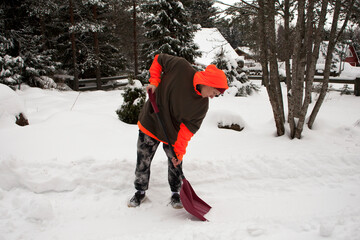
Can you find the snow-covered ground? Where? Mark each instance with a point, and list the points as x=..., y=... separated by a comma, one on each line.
x=69, y=174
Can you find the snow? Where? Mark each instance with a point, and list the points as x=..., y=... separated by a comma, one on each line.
x=11, y=105
x=345, y=70
x=348, y=71
x=219, y=4
x=69, y=174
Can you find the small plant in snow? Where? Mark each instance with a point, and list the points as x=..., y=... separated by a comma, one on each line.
x=317, y=88
x=345, y=90
x=134, y=99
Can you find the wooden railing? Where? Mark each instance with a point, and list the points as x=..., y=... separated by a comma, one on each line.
x=355, y=82
x=87, y=84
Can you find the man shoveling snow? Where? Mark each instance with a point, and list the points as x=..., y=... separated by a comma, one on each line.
x=182, y=97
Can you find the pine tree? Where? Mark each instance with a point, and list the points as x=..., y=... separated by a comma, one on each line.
x=129, y=30
x=239, y=26
x=201, y=12
x=26, y=52
x=39, y=50
x=107, y=53
x=11, y=67
x=168, y=31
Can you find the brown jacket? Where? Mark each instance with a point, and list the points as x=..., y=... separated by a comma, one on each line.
x=181, y=106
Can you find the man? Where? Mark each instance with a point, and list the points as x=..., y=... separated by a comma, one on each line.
x=182, y=97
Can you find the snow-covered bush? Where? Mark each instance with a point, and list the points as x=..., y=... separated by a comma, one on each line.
x=237, y=79
x=317, y=88
x=10, y=69
x=134, y=99
x=32, y=66
x=44, y=82
x=345, y=90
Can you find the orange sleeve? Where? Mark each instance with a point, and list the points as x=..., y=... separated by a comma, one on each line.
x=155, y=72
x=181, y=143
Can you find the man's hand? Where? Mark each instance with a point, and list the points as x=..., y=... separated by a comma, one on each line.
x=175, y=162
x=152, y=87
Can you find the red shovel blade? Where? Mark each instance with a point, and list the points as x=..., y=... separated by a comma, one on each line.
x=191, y=202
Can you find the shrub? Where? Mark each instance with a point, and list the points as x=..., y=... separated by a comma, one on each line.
x=235, y=73
x=345, y=90
x=134, y=99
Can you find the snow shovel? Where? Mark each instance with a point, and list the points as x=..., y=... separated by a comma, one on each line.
x=191, y=202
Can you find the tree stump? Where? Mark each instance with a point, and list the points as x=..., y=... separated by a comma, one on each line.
x=21, y=120
x=233, y=126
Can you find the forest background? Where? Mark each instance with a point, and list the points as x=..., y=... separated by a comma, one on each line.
x=99, y=38
x=88, y=38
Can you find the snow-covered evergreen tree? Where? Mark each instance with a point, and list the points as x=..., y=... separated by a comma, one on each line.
x=168, y=31
x=237, y=79
x=11, y=67
x=25, y=50
x=94, y=17
x=239, y=27
x=201, y=12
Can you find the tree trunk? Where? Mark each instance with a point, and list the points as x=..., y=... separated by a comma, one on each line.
x=136, y=70
x=332, y=42
x=307, y=39
x=288, y=67
x=43, y=32
x=300, y=65
x=97, y=51
x=274, y=68
x=312, y=40
x=73, y=47
x=293, y=94
x=268, y=55
x=310, y=69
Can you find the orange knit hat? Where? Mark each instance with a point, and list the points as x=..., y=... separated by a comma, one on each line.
x=213, y=77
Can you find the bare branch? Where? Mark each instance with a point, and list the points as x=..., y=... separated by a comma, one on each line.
x=348, y=11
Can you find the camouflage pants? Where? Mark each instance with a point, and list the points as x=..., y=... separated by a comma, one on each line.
x=146, y=148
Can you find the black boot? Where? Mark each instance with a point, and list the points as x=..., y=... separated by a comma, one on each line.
x=176, y=201
x=137, y=199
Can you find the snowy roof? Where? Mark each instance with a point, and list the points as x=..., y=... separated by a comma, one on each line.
x=211, y=42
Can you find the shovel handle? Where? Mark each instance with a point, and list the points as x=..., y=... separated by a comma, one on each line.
x=152, y=98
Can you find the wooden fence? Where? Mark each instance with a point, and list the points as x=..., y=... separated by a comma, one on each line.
x=355, y=82
x=112, y=82
x=87, y=84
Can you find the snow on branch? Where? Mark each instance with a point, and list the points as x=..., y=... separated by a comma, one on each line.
x=87, y=27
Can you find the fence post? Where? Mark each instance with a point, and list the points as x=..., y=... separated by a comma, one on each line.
x=357, y=87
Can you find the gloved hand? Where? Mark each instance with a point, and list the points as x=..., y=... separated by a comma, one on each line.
x=152, y=87
x=175, y=162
